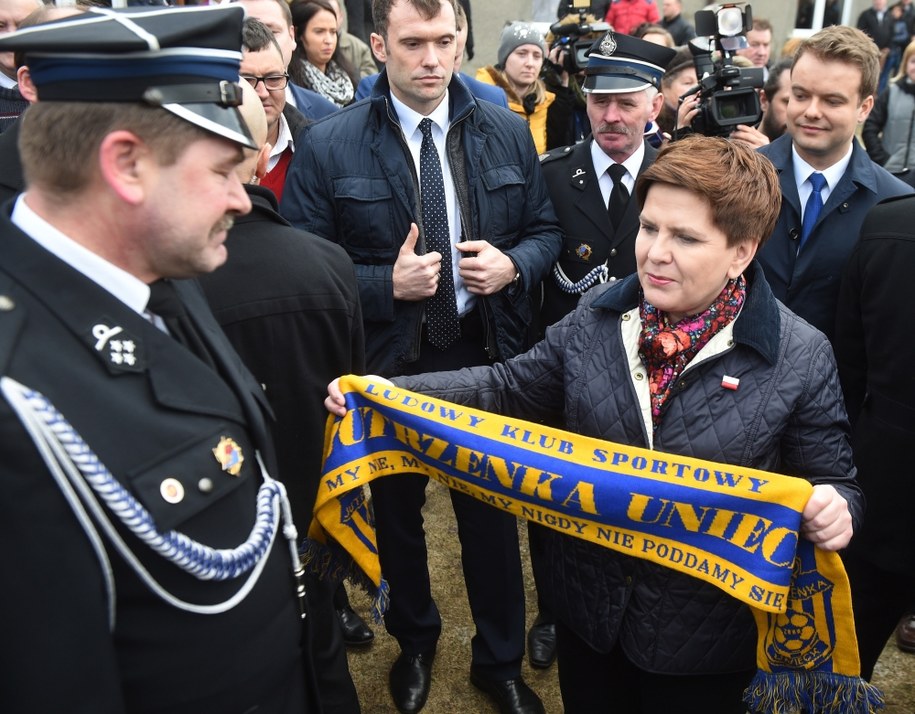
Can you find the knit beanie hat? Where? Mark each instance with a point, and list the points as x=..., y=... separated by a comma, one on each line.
x=515, y=35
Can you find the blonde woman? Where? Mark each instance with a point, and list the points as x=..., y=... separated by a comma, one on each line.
x=520, y=61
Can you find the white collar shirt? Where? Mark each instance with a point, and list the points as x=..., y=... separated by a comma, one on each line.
x=602, y=162
x=832, y=174
x=122, y=285
x=441, y=122
x=283, y=139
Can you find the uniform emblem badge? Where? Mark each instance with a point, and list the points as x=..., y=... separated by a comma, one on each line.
x=583, y=251
x=228, y=454
x=116, y=347
x=608, y=45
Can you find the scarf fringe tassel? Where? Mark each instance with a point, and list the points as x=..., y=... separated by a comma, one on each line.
x=330, y=561
x=813, y=692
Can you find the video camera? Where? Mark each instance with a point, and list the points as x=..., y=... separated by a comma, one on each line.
x=568, y=36
x=728, y=94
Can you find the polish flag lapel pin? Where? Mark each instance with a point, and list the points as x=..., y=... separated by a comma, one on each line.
x=730, y=382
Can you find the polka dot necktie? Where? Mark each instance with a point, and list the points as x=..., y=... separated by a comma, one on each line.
x=813, y=207
x=619, y=197
x=442, y=324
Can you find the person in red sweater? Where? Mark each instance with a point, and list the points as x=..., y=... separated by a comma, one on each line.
x=264, y=68
x=626, y=15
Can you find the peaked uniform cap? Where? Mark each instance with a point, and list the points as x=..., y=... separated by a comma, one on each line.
x=621, y=63
x=185, y=60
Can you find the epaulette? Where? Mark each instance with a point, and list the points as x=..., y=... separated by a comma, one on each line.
x=554, y=154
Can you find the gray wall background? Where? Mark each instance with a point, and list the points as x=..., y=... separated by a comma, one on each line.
x=490, y=16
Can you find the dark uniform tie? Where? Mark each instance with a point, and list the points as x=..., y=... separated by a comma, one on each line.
x=813, y=206
x=164, y=302
x=619, y=197
x=442, y=325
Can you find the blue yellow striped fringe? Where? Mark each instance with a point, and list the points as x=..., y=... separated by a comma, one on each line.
x=733, y=527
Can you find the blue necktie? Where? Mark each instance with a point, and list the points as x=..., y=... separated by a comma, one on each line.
x=442, y=325
x=813, y=207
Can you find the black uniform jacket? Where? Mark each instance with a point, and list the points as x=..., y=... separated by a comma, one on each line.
x=589, y=237
x=289, y=303
x=873, y=346
x=11, y=179
x=153, y=413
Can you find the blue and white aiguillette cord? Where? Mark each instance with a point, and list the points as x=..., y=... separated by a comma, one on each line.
x=87, y=483
x=596, y=275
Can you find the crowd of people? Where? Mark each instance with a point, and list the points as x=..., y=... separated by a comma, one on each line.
x=211, y=213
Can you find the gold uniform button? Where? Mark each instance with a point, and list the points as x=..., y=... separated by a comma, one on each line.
x=205, y=485
x=613, y=252
x=172, y=491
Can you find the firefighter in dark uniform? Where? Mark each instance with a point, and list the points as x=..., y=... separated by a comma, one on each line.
x=597, y=211
x=148, y=555
x=622, y=81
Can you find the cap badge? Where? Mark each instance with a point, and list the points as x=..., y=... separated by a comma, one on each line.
x=608, y=45
x=228, y=454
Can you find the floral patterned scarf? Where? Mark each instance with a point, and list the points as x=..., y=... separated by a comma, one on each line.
x=667, y=349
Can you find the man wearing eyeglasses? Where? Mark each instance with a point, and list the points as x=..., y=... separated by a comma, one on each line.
x=263, y=68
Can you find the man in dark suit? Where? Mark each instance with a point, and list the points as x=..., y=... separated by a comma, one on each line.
x=673, y=21
x=11, y=179
x=150, y=566
x=873, y=345
x=834, y=81
x=12, y=103
x=438, y=199
x=877, y=23
x=621, y=84
x=280, y=293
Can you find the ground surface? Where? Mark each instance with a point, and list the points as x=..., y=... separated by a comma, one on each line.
x=452, y=692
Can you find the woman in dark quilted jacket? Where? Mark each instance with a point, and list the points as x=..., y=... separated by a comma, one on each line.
x=692, y=355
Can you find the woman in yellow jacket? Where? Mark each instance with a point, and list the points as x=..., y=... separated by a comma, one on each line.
x=521, y=56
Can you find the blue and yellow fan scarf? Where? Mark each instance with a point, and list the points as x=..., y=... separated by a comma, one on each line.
x=733, y=527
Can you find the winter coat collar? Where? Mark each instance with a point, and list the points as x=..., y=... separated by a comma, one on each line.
x=757, y=325
x=461, y=100
x=860, y=169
